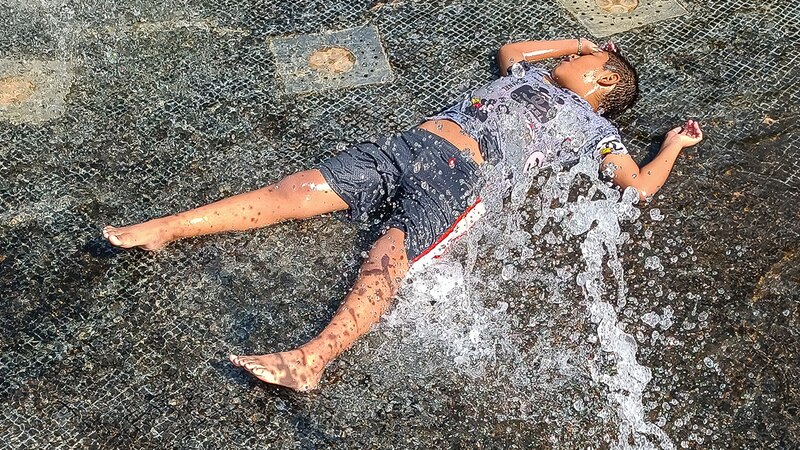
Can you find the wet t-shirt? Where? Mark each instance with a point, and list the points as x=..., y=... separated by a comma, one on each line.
x=525, y=118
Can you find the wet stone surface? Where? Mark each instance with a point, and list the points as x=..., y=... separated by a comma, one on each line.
x=33, y=91
x=333, y=60
x=617, y=6
x=14, y=90
x=168, y=105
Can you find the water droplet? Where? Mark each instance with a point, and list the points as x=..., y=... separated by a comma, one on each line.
x=651, y=319
x=653, y=263
x=517, y=71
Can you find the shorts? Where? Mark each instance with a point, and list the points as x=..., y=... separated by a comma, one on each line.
x=430, y=185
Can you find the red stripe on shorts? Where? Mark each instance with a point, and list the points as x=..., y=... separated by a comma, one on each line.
x=446, y=233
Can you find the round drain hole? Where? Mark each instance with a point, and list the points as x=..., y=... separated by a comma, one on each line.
x=14, y=90
x=334, y=60
x=617, y=6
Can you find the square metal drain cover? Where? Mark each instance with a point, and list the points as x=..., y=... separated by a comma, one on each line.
x=607, y=17
x=333, y=60
x=33, y=91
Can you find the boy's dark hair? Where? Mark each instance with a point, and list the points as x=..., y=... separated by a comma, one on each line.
x=626, y=92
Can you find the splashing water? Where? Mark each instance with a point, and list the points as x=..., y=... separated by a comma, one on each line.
x=529, y=233
x=628, y=382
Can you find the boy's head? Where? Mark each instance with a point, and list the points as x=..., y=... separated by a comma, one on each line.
x=606, y=75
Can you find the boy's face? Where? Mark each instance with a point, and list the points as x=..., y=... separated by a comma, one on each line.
x=583, y=73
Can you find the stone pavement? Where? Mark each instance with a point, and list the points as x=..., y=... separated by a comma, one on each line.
x=113, y=112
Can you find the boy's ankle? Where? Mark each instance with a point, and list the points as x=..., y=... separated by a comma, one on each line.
x=170, y=227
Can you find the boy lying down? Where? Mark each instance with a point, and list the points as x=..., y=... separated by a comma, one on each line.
x=428, y=175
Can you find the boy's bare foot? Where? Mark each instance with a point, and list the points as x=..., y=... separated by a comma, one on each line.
x=293, y=369
x=150, y=235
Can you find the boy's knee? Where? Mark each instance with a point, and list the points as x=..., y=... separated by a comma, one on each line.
x=388, y=255
x=295, y=188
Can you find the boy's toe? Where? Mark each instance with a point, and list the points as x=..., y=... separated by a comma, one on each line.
x=114, y=239
x=235, y=360
x=261, y=372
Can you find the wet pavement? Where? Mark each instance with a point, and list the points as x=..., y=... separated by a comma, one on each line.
x=152, y=107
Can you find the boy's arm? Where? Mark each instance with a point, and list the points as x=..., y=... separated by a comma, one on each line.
x=538, y=50
x=651, y=177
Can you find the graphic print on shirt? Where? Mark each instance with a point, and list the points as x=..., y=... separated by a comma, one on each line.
x=611, y=145
x=556, y=124
x=537, y=101
x=570, y=128
x=481, y=108
x=534, y=161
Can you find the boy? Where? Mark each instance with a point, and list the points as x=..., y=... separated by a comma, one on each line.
x=429, y=175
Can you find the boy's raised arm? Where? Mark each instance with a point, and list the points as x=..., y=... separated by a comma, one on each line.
x=538, y=50
x=652, y=176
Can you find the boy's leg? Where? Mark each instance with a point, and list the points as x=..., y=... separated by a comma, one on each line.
x=298, y=196
x=380, y=275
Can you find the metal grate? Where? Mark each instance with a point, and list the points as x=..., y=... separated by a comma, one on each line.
x=154, y=107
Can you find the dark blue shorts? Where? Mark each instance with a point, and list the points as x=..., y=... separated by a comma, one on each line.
x=428, y=183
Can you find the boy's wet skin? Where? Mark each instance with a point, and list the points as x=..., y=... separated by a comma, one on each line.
x=293, y=369
x=298, y=196
x=587, y=73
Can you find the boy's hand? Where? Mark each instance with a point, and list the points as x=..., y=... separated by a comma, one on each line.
x=686, y=136
x=609, y=46
x=588, y=47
